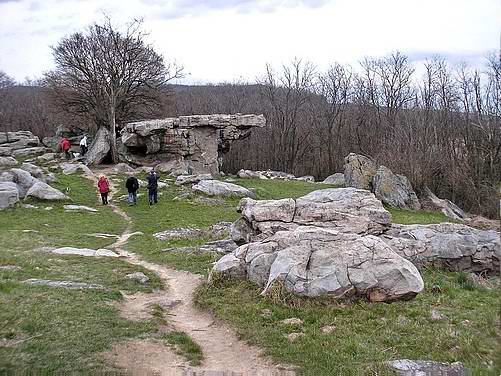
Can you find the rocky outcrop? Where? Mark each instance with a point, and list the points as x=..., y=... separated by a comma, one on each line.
x=359, y=171
x=39, y=173
x=273, y=175
x=429, y=201
x=219, y=188
x=335, y=179
x=21, y=142
x=43, y=191
x=7, y=162
x=314, y=261
x=99, y=148
x=195, y=142
x=192, y=179
x=346, y=209
x=394, y=190
x=455, y=247
x=71, y=168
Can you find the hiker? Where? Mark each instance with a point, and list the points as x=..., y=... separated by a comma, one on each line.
x=152, y=187
x=104, y=189
x=83, y=145
x=65, y=146
x=132, y=185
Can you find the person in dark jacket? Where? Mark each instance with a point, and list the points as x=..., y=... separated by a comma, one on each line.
x=152, y=187
x=132, y=185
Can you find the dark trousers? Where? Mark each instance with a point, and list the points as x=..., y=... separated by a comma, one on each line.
x=104, y=197
x=152, y=196
x=67, y=154
x=84, y=150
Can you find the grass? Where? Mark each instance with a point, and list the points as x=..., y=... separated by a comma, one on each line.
x=185, y=346
x=409, y=217
x=366, y=335
x=47, y=330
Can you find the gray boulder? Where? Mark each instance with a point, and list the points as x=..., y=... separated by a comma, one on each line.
x=179, y=233
x=23, y=179
x=219, y=246
x=138, y=276
x=43, y=191
x=192, y=179
x=335, y=179
x=249, y=174
x=99, y=148
x=359, y=171
x=29, y=151
x=47, y=157
x=83, y=252
x=455, y=247
x=313, y=261
x=219, y=188
x=7, y=162
x=406, y=367
x=429, y=201
x=9, y=195
x=71, y=168
x=38, y=172
x=394, y=190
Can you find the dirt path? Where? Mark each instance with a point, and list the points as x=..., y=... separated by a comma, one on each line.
x=224, y=354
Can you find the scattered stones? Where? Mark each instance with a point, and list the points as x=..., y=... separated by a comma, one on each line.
x=313, y=261
x=219, y=188
x=192, y=179
x=294, y=336
x=455, y=247
x=359, y=171
x=63, y=284
x=437, y=316
x=394, y=190
x=335, y=179
x=8, y=162
x=138, y=276
x=327, y=329
x=406, y=367
x=84, y=252
x=79, y=207
x=10, y=267
x=44, y=191
x=292, y=321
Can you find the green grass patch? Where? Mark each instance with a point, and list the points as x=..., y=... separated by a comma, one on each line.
x=410, y=217
x=365, y=335
x=185, y=346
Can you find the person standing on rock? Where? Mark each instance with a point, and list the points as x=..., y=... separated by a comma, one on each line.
x=132, y=185
x=152, y=187
x=65, y=146
x=83, y=145
x=104, y=189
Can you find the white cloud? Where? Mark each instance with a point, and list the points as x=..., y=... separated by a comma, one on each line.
x=223, y=40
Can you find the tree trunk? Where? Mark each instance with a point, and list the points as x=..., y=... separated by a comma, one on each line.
x=113, y=133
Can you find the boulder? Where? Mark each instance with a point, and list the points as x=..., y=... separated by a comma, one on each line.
x=335, y=179
x=29, y=151
x=192, y=179
x=123, y=168
x=70, y=168
x=7, y=162
x=38, y=173
x=26, y=137
x=347, y=209
x=47, y=157
x=432, y=203
x=219, y=188
x=180, y=233
x=83, y=252
x=249, y=174
x=23, y=179
x=9, y=195
x=43, y=191
x=307, y=178
x=313, y=261
x=219, y=246
x=455, y=247
x=100, y=147
x=138, y=276
x=406, y=367
x=394, y=190
x=359, y=171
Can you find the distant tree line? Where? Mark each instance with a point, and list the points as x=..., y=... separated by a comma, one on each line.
x=441, y=127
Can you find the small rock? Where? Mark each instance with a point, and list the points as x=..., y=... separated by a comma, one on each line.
x=328, y=329
x=408, y=367
x=79, y=207
x=48, y=208
x=294, y=336
x=64, y=284
x=138, y=276
x=10, y=267
x=219, y=246
x=292, y=321
x=266, y=313
x=437, y=316
x=29, y=206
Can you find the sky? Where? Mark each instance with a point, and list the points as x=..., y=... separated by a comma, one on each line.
x=233, y=40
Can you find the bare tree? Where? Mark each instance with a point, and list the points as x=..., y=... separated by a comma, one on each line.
x=114, y=76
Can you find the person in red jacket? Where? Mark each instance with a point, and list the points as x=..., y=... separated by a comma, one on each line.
x=65, y=146
x=104, y=188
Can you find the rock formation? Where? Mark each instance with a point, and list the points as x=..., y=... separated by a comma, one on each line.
x=359, y=171
x=20, y=143
x=394, y=190
x=191, y=144
x=335, y=179
x=273, y=175
x=429, y=201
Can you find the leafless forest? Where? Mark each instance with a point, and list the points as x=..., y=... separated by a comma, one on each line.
x=440, y=125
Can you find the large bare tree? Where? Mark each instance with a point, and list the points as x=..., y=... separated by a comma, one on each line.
x=109, y=75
